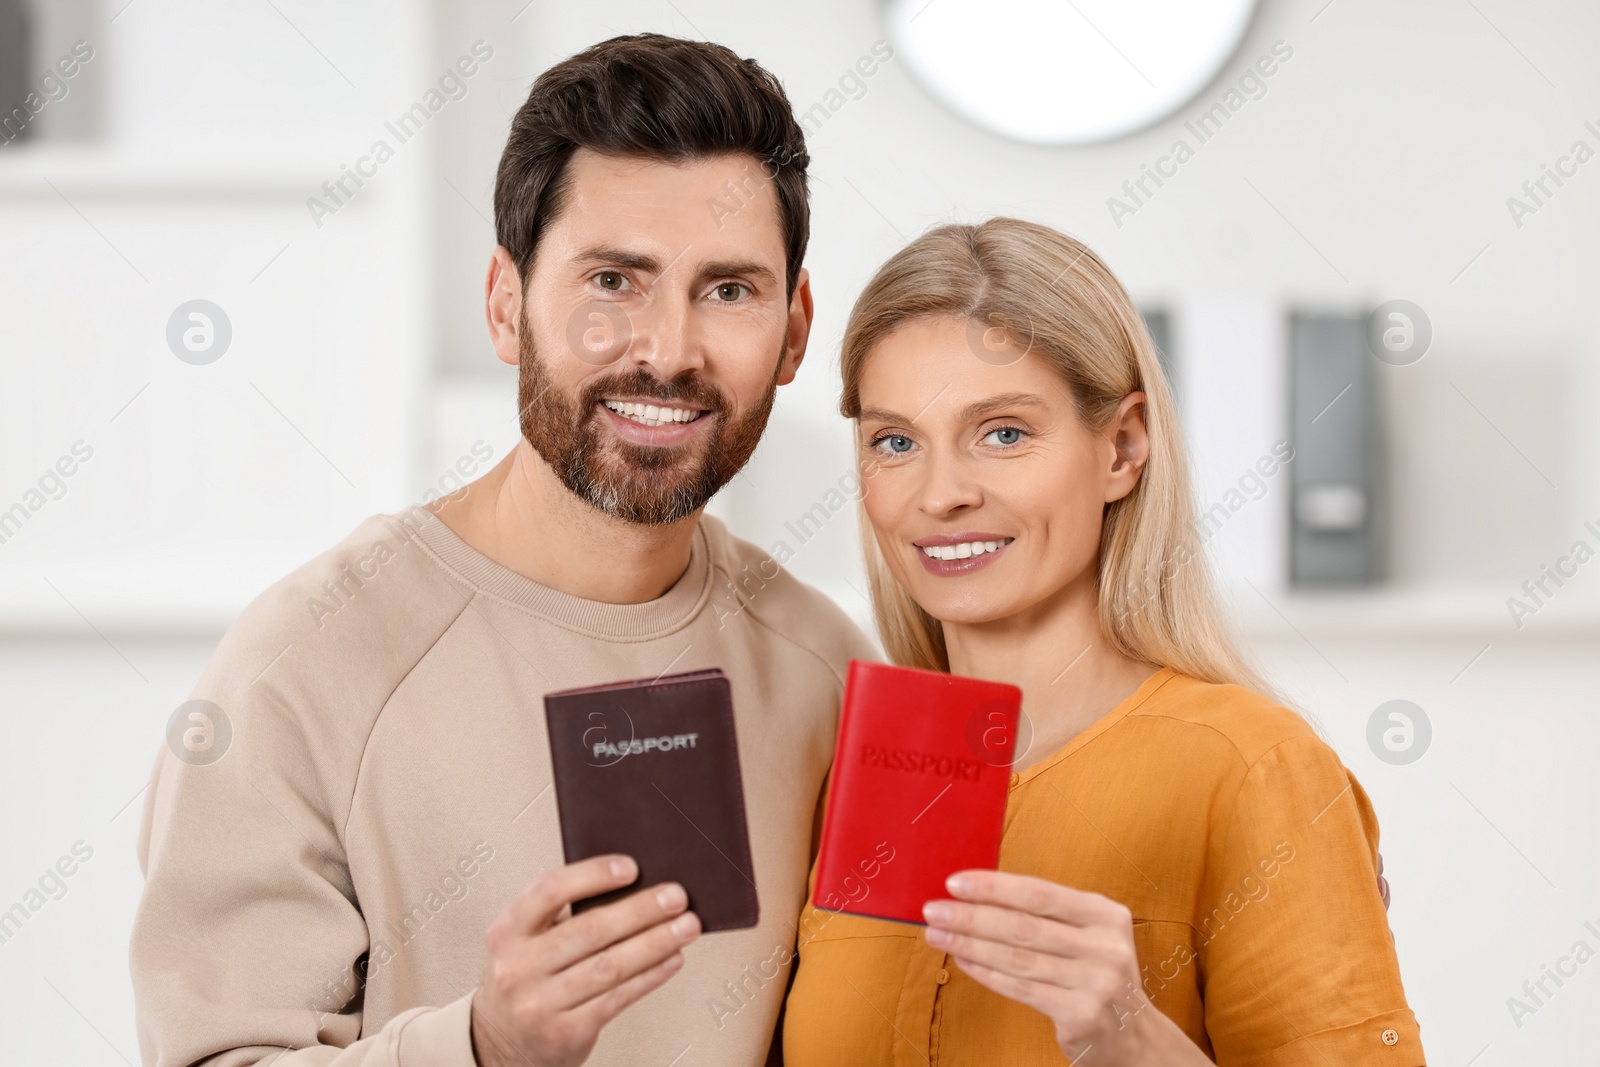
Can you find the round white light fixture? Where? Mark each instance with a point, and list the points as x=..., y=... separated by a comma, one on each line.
x=1062, y=72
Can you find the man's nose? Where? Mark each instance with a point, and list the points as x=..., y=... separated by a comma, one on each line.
x=666, y=337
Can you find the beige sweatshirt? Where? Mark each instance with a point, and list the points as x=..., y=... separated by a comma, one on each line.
x=385, y=791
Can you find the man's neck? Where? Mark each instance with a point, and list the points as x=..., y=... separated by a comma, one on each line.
x=522, y=517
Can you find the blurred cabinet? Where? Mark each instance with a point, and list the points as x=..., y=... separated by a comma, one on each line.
x=1338, y=513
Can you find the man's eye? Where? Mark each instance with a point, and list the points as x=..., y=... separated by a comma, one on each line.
x=728, y=292
x=893, y=443
x=1005, y=435
x=612, y=280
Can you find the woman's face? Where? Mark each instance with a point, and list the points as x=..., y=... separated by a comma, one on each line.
x=985, y=492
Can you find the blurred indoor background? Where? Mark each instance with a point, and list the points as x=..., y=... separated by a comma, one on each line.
x=1422, y=152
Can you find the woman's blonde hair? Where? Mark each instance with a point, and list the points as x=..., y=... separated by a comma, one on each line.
x=1049, y=292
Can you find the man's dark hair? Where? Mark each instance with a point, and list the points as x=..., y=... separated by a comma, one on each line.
x=655, y=97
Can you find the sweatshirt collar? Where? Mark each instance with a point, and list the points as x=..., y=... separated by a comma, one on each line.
x=673, y=610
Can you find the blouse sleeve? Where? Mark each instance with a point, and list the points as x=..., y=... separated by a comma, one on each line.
x=1297, y=963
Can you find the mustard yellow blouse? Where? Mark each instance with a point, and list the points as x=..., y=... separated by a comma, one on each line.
x=1247, y=854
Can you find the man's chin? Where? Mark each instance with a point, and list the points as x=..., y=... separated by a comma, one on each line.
x=625, y=460
x=647, y=492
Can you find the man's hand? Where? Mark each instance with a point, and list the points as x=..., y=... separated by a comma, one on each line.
x=552, y=980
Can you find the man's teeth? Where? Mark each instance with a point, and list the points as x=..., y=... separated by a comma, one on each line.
x=652, y=414
x=965, y=549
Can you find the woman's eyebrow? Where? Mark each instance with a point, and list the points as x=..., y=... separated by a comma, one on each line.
x=987, y=406
x=975, y=410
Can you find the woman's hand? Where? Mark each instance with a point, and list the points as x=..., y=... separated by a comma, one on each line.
x=1062, y=952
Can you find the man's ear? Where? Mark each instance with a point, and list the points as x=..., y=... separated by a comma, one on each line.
x=1130, y=445
x=502, y=305
x=800, y=312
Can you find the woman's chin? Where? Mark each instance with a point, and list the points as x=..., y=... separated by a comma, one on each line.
x=968, y=609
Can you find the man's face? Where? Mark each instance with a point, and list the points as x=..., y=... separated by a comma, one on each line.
x=655, y=331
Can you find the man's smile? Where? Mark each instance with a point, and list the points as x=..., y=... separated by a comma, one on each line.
x=647, y=413
x=656, y=423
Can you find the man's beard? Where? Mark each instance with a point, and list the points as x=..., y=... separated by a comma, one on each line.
x=645, y=484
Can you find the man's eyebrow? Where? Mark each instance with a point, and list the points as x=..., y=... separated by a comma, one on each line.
x=619, y=257
x=739, y=268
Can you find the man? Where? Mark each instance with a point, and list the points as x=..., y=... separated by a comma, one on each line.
x=371, y=872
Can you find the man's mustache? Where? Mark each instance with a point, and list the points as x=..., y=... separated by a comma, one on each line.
x=686, y=390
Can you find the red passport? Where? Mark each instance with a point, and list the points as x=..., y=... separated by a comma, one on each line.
x=918, y=788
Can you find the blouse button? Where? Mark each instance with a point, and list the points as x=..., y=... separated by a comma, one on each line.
x=1391, y=1038
x=943, y=976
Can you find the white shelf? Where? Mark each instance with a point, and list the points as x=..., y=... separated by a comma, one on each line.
x=1416, y=613
x=100, y=173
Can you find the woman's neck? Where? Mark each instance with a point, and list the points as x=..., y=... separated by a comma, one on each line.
x=1070, y=676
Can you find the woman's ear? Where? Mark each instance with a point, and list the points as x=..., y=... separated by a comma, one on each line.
x=1130, y=443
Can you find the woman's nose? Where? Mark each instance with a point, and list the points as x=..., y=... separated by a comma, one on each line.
x=949, y=486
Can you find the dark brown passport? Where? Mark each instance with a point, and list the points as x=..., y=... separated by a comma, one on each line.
x=650, y=768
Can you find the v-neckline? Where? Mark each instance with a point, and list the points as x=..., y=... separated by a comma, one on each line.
x=1144, y=692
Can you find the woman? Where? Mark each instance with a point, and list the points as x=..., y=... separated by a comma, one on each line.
x=1187, y=873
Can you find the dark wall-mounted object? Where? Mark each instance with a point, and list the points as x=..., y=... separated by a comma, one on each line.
x=1339, y=509
x=53, y=71
x=1159, y=322
x=16, y=53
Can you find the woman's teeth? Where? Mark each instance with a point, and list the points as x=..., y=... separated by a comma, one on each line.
x=966, y=549
x=652, y=414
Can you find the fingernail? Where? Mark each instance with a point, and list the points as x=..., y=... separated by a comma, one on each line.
x=936, y=911
x=939, y=938
x=673, y=962
x=622, y=867
x=958, y=884
x=685, y=924
x=670, y=896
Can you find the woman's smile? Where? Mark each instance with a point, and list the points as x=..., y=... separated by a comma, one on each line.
x=949, y=555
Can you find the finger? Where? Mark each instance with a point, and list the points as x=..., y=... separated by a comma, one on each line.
x=599, y=928
x=624, y=961
x=1076, y=1017
x=1035, y=895
x=602, y=1009
x=542, y=899
x=1022, y=929
x=1035, y=995
x=1034, y=965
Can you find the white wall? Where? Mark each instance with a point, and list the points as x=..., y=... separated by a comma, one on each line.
x=206, y=482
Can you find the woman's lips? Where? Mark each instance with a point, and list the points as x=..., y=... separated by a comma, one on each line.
x=967, y=559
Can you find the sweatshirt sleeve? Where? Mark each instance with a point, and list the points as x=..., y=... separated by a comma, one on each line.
x=248, y=939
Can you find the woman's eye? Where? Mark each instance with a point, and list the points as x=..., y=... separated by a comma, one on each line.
x=1005, y=435
x=611, y=280
x=893, y=443
x=728, y=292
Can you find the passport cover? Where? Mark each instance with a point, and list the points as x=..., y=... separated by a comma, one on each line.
x=650, y=768
x=918, y=788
